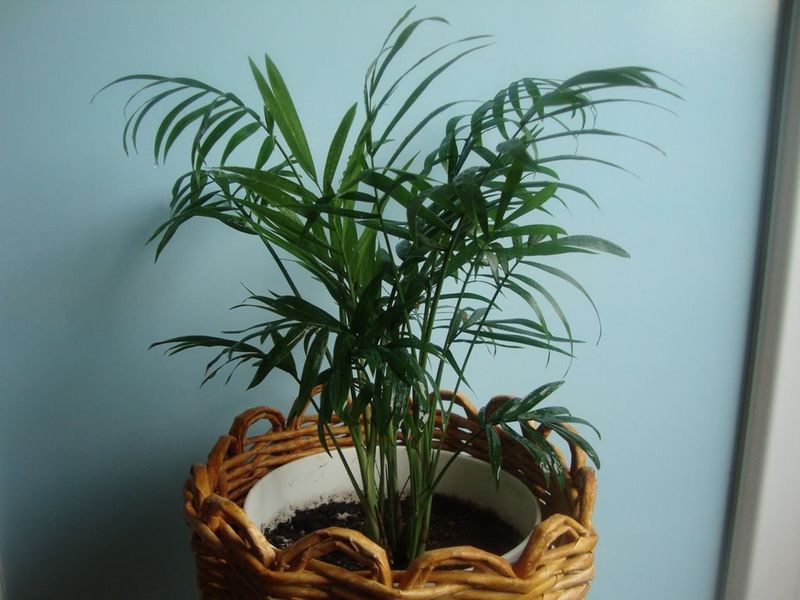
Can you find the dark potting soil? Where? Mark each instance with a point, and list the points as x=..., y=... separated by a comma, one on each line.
x=454, y=522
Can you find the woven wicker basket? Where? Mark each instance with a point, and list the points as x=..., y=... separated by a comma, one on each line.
x=235, y=561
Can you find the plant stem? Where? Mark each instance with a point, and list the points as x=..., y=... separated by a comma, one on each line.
x=366, y=464
x=281, y=266
x=492, y=303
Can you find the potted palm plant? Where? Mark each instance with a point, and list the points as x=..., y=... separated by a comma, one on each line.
x=420, y=252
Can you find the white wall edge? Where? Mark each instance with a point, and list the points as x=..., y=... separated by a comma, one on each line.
x=764, y=559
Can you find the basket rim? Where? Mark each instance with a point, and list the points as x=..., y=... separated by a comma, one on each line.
x=559, y=554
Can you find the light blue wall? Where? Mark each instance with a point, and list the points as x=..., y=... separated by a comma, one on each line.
x=97, y=432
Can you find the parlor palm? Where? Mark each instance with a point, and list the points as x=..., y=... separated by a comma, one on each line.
x=418, y=249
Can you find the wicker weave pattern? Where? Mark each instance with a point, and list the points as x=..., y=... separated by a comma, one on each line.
x=235, y=561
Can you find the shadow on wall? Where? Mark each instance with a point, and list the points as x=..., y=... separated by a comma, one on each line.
x=98, y=432
x=2, y=581
x=125, y=542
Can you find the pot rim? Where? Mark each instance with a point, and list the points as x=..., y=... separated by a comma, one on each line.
x=511, y=489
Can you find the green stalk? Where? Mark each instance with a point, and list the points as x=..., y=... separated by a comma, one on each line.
x=419, y=451
x=373, y=521
x=455, y=455
x=281, y=266
x=471, y=346
x=368, y=499
x=396, y=288
x=359, y=492
x=424, y=524
x=413, y=525
x=440, y=371
x=453, y=325
x=446, y=415
x=391, y=511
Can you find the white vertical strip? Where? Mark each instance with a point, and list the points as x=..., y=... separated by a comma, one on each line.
x=775, y=561
x=765, y=557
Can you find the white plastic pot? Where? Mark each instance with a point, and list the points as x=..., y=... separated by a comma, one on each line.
x=314, y=480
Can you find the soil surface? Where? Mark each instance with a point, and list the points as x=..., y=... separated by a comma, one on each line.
x=454, y=522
